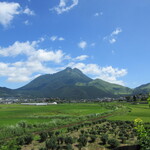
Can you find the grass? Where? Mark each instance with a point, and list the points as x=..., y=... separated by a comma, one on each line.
x=12, y=114
x=134, y=111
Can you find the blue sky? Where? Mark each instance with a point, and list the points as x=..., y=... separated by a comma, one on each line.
x=106, y=39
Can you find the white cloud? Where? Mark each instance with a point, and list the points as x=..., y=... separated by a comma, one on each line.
x=61, y=39
x=26, y=22
x=35, y=63
x=82, y=44
x=7, y=12
x=64, y=7
x=98, y=14
x=56, y=38
x=28, y=12
x=112, y=38
x=81, y=58
x=108, y=74
x=53, y=38
x=116, y=32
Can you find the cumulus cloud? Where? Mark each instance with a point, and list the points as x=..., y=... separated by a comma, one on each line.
x=64, y=6
x=56, y=38
x=108, y=73
x=82, y=44
x=81, y=57
x=35, y=62
x=112, y=38
x=8, y=11
x=28, y=12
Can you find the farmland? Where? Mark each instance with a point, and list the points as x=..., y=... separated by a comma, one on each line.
x=70, y=119
x=134, y=111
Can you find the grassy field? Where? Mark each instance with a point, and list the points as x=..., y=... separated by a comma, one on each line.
x=12, y=114
x=19, y=120
x=134, y=111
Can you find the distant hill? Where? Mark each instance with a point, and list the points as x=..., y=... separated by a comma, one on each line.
x=5, y=92
x=115, y=89
x=143, y=89
x=73, y=84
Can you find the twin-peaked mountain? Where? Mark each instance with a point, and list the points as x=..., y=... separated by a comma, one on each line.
x=71, y=84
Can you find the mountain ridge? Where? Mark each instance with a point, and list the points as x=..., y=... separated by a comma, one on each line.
x=72, y=84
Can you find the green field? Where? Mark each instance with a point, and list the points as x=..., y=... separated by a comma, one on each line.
x=132, y=112
x=17, y=120
x=12, y=114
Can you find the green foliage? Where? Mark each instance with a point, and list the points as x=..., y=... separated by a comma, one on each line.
x=104, y=138
x=43, y=136
x=11, y=145
x=69, y=147
x=93, y=138
x=28, y=138
x=51, y=143
x=143, y=135
x=148, y=100
x=82, y=140
x=69, y=140
x=113, y=143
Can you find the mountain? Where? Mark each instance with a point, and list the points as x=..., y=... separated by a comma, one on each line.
x=71, y=84
x=115, y=89
x=5, y=92
x=143, y=89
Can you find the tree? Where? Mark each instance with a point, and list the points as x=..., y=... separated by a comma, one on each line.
x=143, y=134
x=148, y=100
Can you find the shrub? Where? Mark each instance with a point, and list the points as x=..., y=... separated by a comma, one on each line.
x=51, y=143
x=50, y=133
x=43, y=136
x=69, y=140
x=69, y=147
x=28, y=139
x=82, y=140
x=113, y=143
x=20, y=140
x=104, y=138
x=93, y=138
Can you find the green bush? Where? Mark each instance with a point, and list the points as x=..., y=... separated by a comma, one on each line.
x=69, y=147
x=82, y=140
x=104, y=139
x=43, y=136
x=69, y=140
x=113, y=143
x=51, y=143
x=28, y=139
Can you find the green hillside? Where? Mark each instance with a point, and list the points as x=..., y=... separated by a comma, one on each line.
x=111, y=88
x=71, y=84
x=143, y=89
